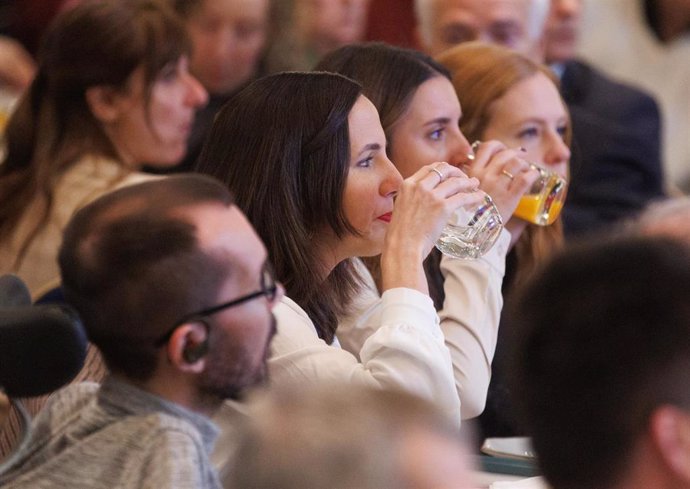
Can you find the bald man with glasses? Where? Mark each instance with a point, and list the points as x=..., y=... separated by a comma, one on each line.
x=174, y=288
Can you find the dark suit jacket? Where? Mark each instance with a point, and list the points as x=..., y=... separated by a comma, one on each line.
x=616, y=162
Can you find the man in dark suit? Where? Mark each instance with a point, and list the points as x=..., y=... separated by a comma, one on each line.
x=616, y=163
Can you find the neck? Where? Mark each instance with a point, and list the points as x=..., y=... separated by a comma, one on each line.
x=327, y=253
x=179, y=391
x=647, y=468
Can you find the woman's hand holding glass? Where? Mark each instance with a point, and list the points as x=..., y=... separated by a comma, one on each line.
x=503, y=173
x=441, y=205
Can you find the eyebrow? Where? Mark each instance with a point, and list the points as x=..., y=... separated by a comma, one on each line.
x=510, y=25
x=440, y=120
x=370, y=147
x=538, y=120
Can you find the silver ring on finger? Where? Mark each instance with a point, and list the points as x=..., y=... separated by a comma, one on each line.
x=437, y=172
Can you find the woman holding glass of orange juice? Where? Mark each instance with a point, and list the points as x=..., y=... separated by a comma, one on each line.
x=508, y=97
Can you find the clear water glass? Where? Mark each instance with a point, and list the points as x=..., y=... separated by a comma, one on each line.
x=471, y=231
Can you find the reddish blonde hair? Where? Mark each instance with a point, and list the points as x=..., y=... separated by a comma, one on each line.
x=482, y=73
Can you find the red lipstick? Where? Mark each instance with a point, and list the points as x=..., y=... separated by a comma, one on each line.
x=385, y=217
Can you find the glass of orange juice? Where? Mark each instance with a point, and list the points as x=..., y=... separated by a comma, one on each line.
x=7, y=102
x=543, y=202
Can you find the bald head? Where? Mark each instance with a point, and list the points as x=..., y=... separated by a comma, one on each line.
x=517, y=24
x=132, y=263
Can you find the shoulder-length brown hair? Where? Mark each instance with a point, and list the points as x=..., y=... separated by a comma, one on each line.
x=282, y=145
x=482, y=73
x=94, y=43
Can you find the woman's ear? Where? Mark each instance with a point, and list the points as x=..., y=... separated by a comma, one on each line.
x=188, y=346
x=670, y=430
x=103, y=101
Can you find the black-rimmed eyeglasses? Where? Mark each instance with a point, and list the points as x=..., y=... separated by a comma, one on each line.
x=268, y=289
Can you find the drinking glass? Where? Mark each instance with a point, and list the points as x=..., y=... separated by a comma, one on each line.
x=471, y=231
x=8, y=100
x=543, y=202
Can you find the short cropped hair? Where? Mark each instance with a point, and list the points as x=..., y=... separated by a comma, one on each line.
x=132, y=267
x=331, y=436
x=602, y=339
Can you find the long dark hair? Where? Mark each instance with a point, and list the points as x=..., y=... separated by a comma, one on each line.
x=95, y=43
x=282, y=146
x=390, y=77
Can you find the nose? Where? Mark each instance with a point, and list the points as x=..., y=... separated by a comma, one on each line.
x=197, y=96
x=390, y=180
x=557, y=152
x=567, y=8
x=458, y=147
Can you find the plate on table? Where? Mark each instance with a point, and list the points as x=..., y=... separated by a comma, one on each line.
x=517, y=447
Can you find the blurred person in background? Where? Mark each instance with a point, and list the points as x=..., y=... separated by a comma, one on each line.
x=94, y=114
x=601, y=364
x=347, y=436
x=622, y=116
x=228, y=42
x=305, y=30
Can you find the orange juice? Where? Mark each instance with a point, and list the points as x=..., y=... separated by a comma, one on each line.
x=3, y=120
x=530, y=208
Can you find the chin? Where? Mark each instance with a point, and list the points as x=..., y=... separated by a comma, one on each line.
x=170, y=158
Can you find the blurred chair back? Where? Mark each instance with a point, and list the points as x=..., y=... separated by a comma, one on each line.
x=42, y=347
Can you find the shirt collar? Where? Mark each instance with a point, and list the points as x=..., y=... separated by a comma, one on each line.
x=125, y=397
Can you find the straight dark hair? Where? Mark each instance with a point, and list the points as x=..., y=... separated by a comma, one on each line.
x=132, y=267
x=282, y=146
x=94, y=43
x=389, y=75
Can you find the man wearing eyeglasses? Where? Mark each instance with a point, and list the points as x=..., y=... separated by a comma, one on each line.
x=173, y=286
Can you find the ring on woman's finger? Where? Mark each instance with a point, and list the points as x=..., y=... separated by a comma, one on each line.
x=437, y=172
x=508, y=174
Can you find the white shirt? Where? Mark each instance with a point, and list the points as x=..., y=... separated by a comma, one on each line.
x=397, y=340
x=405, y=350
x=469, y=321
